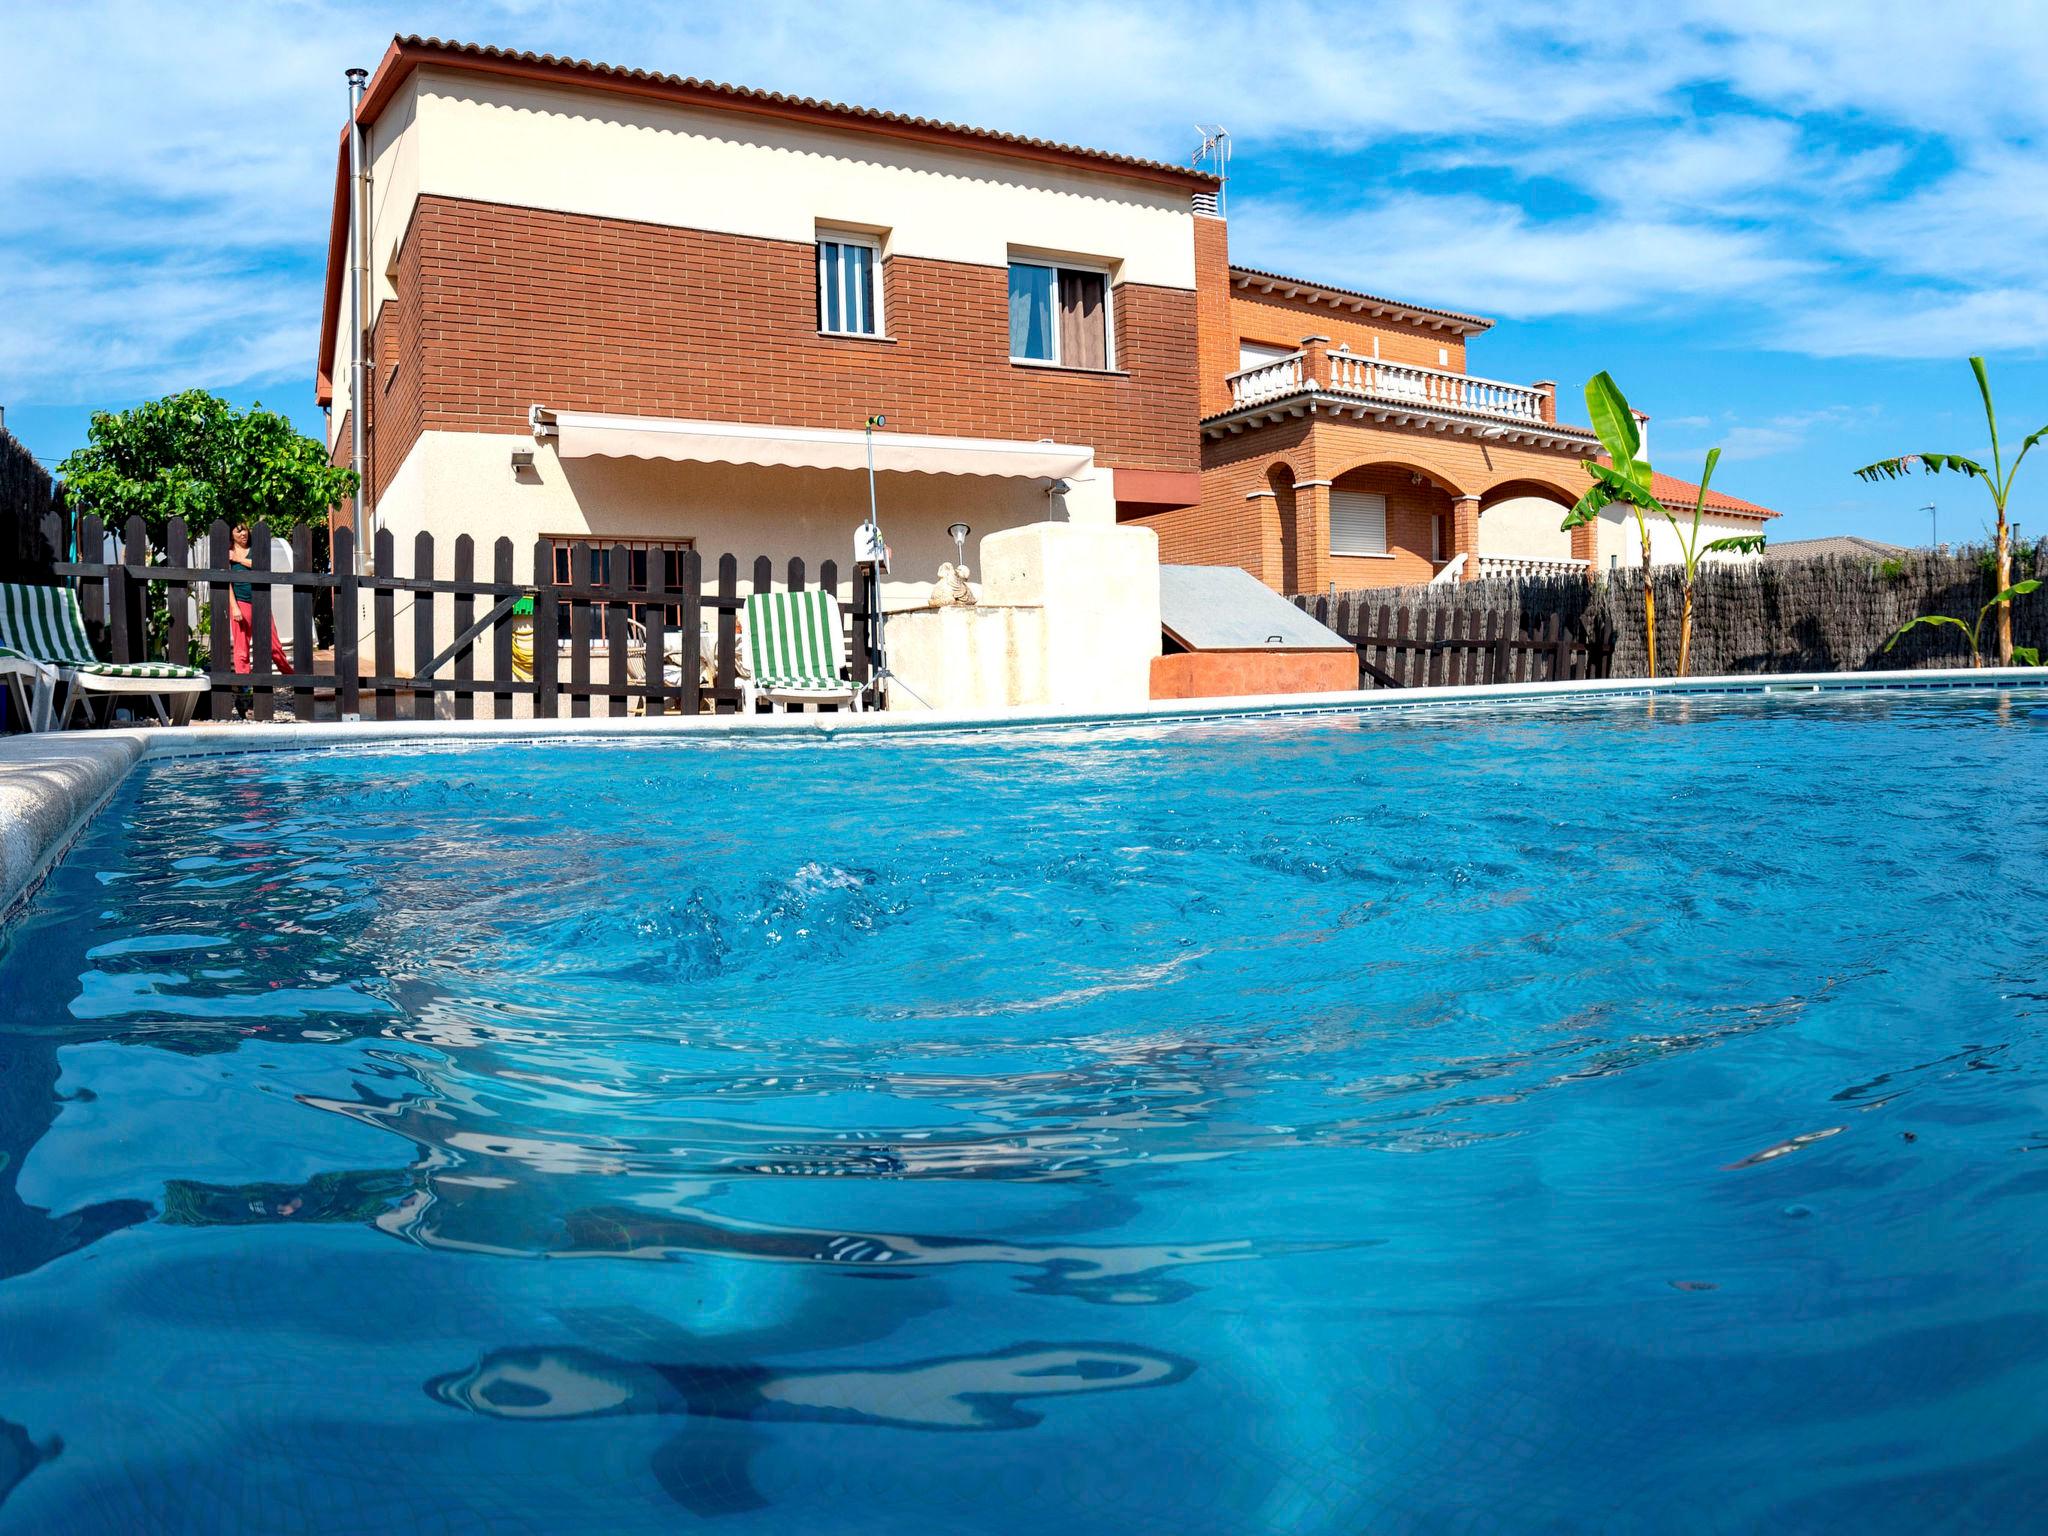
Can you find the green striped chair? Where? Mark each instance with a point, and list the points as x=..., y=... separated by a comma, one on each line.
x=42, y=625
x=796, y=650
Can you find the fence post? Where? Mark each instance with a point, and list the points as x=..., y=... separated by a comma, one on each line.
x=728, y=627
x=262, y=704
x=178, y=553
x=501, y=632
x=547, y=624
x=693, y=619
x=92, y=591
x=348, y=621
x=464, y=707
x=618, y=633
x=383, y=638
x=220, y=645
x=654, y=649
x=579, y=629
x=302, y=622
x=422, y=622
x=118, y=645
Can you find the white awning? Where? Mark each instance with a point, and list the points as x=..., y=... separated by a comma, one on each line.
x=578, y=435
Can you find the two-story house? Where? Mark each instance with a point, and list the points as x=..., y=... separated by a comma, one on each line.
x=1345, y=445
x=630, y=307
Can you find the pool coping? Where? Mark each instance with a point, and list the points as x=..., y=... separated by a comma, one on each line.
x=50, y=786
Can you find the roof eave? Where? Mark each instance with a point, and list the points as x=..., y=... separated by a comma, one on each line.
x=1359, y=302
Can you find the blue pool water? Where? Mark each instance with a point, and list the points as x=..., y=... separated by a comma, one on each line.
x=1622, y=1118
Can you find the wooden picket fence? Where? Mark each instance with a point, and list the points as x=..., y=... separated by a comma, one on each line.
x=1399, y=648
x=575, y=676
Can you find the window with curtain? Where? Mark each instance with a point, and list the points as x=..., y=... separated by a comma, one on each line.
x=849, y=297
x=1059, y=315
x=1358, y=523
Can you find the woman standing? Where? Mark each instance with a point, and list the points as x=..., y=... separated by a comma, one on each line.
x=242, y=613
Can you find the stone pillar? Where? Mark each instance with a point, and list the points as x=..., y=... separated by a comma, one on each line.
x=1465, y=535
x=1312, y=534
x=1315, y=362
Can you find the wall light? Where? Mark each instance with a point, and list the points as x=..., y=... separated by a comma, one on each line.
x=522, y=461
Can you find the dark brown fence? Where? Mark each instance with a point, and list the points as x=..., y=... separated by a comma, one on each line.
x=1828, y=614
x=1405, y=642
x=137, y=609
x=28, y=551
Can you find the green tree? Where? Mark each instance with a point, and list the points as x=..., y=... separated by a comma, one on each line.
x=194, y=456
x=1998, y=480
x=1974, y=633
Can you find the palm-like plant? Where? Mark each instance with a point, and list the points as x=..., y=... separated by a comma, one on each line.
x=1627, y=479
x=1690, y=549
x=1974, y=633
x=1998, y=480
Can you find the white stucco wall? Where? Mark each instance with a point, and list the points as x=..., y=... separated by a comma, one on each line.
x=1620, y=537
x=589, y=152
x=1524, y=528
x=454, y=483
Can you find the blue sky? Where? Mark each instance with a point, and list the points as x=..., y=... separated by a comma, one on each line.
x=1782, y=227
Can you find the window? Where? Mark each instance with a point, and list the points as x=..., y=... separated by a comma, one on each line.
x=1256, y=354
x=1436, y=537
x=849, y=297
x=1358, y=523
x=640, y=553
x=1059, y=315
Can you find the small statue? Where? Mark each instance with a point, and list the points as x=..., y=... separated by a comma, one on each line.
x=951, y=589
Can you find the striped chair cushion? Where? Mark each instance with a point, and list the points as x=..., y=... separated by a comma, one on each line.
x=44, y=624
x=794, y=641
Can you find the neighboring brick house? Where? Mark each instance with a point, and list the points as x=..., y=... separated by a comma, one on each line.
x=1344, y=446
x=682, y=300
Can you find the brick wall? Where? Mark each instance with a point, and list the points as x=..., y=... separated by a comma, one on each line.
x=1217, y=349
x=1410, y=507
x=517, y=305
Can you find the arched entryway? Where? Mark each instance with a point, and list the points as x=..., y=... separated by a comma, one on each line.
x=1391, y=525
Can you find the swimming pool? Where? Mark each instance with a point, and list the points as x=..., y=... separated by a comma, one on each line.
x=1626, y=1116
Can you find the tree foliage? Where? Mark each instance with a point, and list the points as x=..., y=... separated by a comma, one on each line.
x=194, y=456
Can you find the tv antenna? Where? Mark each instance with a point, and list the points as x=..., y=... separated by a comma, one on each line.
x=1214, y=155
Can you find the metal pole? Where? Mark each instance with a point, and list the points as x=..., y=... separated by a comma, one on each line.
x=874, y=572
x=359, y=266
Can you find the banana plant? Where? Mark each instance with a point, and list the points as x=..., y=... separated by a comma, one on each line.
x=1998, y=480
x=1690, y=549
x=1624, y=479
x=1973, y=633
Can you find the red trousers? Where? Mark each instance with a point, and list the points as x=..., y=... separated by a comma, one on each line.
x=242, y=620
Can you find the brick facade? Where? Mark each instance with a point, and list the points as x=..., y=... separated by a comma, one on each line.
x=500, y=307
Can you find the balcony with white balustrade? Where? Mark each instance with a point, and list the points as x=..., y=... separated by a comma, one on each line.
x=1336, y=382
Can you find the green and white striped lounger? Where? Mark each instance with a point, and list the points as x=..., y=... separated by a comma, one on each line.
x=43, y=625
x=796, y=649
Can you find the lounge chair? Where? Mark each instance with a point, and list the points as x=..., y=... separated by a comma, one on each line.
x=32, y=686
x=796, y=651
x=42, y=625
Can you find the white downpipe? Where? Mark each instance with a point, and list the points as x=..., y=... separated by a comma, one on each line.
x=359, y=272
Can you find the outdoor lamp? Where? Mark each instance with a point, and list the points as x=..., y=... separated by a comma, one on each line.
x=958, y=533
